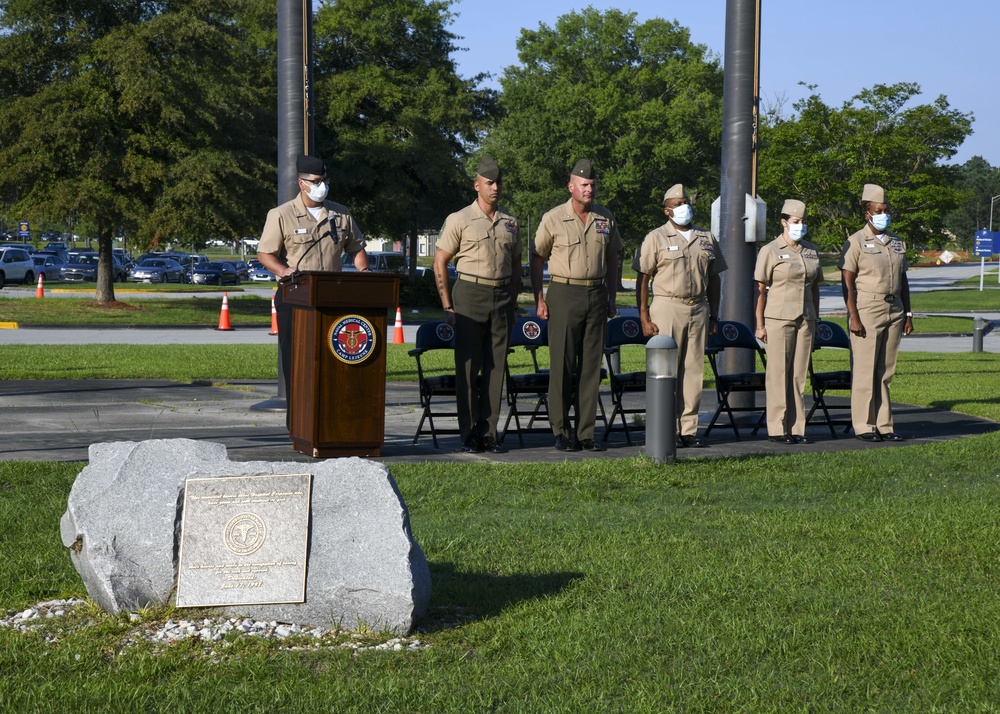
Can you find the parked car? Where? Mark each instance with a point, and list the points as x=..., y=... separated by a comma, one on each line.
x=22, y=246
x=260, y=274
x=215, y=273
x=379, y=262
x=242, y=268
x=157, y=270
x=16, y=265
x=83, y=268
x=48, y=264
x=58, y=247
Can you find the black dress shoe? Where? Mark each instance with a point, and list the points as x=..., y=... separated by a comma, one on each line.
x=679, y=442
x=870, y=437
x=490, y=446
x=563, y=444
x=801, y=439
x=589, y=445
x=893, y=436
x=472, y=445
x=692, y=441
x=783, y=439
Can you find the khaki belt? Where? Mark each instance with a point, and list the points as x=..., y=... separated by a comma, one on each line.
x=891, y=297
x=577, y=281
x=484, y=281
x=689, y=301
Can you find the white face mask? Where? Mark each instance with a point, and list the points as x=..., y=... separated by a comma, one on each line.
x=881, y=221
x=682, y=214
x=796, y=231
x=317, y=192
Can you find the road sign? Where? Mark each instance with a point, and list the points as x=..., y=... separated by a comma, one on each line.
x=25, y=230
x=984, y=244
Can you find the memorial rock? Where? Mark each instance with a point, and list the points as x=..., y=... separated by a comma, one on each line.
x=123, y=528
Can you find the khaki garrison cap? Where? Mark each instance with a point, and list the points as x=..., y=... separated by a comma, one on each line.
x=794, y=208
x=676, y=191
x=873, y=193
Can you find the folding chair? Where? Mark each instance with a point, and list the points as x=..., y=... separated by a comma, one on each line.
x=529, y=333
x=735, y=336
x=432, y=336
x=623, y=331
x=830, y=335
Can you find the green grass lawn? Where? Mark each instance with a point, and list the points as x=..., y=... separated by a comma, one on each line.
x=843, y=582
x=251, y=310
x=861, y=581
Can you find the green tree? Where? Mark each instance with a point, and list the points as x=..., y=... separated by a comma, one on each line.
x=825, y=155
x=640, y=100
x=394, y=120
x=980, y=183
x=137, y=116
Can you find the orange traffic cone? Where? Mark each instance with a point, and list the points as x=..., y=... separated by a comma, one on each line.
x=40, y=290
x=274, y=319
x=224, y=315
x=397, y=333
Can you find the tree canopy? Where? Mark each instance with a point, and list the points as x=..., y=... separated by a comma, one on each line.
x=825, y=155
x=641, y=101
x=135, y=116
x=980, y=184
x=394, y=119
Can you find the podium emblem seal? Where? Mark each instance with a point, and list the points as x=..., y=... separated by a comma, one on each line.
x=352, y=339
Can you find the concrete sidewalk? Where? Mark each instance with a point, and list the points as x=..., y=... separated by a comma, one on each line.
x=59, y=420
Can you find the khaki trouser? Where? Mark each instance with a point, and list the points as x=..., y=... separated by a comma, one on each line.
x=789, y=344
x=873, y=363
x=578, y=318
x=688, y=325
x=484, y=318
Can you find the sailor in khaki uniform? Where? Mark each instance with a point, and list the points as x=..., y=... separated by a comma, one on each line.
x=788, y=275
x=683, y=262
x=873, y=266
x=485, y=242
x=306, y=233
x=581, y=242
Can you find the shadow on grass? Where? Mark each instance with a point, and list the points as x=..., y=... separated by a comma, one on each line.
x=461, y=597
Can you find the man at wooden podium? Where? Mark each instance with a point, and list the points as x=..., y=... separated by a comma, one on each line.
x=485, y=242
x=307, y=233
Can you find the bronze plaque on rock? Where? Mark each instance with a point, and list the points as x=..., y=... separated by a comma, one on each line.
x=244, y=540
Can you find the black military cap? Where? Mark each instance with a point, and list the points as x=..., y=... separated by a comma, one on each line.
x=488, y=168
x=584, y=169
x=310, y=165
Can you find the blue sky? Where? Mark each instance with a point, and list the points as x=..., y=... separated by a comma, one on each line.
x=843, y=47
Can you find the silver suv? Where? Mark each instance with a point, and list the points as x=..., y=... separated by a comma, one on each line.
x=16, y=265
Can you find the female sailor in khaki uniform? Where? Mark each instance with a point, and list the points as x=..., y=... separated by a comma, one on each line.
x=788, y=276
x=873, y=265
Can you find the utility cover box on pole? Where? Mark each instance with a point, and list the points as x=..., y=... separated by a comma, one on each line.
x=754, y=219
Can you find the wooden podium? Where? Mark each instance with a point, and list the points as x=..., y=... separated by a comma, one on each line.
x=337, y=395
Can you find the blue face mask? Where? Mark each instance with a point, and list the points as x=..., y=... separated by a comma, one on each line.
x=881, y=221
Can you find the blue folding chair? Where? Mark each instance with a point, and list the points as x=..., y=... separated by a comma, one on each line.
x=736, y=336
x=433, y=336
x=830, y=335
x=530, y=334
x=623, y=331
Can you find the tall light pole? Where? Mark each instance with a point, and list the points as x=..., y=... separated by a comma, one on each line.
x=992, y=200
